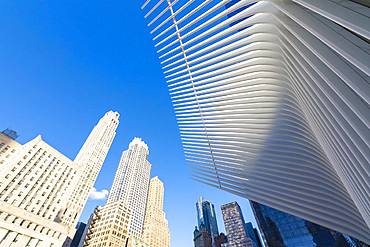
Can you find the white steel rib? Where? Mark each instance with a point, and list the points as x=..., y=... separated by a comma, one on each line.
x=272, y=101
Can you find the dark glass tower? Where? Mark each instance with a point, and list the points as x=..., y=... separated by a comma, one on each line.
x=253, y=234
x=207, y=217
x=280, y=229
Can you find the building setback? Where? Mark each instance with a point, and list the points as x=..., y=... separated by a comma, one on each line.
x=37, y=186
x=272, y=101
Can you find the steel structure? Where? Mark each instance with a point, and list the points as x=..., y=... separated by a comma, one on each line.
x=272, y=101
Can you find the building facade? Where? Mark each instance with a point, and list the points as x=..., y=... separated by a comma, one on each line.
x=80, y=234
x=235, y=226
x=252, y=233
x=90, y=160
x=285, y=230
x=108, y=226
x=202, y=238
x=36, y=189
x=206, y=217
x=131, y=184
x=12, y=134
x=272, y=101
x=156, y=232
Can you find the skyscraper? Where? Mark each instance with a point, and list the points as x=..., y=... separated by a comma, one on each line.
x=285, y=230
x=156, y=232
x=202, y=237
x=252, y=233
x=108, y=226
x=131, y=184
x=235, y=226
x=272, y=101
x=36, y=189
x=80, y=235
x=207, y=217
x=90, y=160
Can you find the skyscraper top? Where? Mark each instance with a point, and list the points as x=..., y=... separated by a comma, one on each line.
x=207, y=216
x=231, y=204
x=112, y=112
x=138, y=141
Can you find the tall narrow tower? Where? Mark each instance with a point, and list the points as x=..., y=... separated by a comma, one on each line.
x=156, y=232
x=90, y=160
x=207, y=217
x=131, y=183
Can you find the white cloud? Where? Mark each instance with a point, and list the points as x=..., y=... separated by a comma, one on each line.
x=98, y=195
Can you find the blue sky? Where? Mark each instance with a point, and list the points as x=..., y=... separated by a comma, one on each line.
x=63, y=64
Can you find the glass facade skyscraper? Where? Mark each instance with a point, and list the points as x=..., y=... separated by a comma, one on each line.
x=207, y=217
x=285, y=230
x=253, y=234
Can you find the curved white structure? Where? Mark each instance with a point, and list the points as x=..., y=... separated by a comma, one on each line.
x=272, y=100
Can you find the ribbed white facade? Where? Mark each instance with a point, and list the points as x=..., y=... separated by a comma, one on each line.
x=272, y=100
x=131, y=183
x=36, y=192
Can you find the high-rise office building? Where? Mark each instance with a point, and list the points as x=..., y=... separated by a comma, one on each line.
x=156, y=232
x=108, y=226
x=252, y=233
x=90, y=160
x=80, y=235
x=286, y=230
x=235, y=226
x=36, y=189
x=206, y=216
x=131, y=184
x=272, y=101
x=202, y=237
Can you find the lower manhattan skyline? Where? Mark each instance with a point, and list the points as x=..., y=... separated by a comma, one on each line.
x=70, y=88
x=196, y=106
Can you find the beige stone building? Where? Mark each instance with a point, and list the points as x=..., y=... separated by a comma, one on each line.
x=131, y=184
x=108, y=226
x=38, y=183
x=125, y=209
x=156, y=231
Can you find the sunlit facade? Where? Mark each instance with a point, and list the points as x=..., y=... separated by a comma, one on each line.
x=90, y=160
x=156, y=232
x=36, y=190
x=272, y=101
x=108, y=226
x=131, y=184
